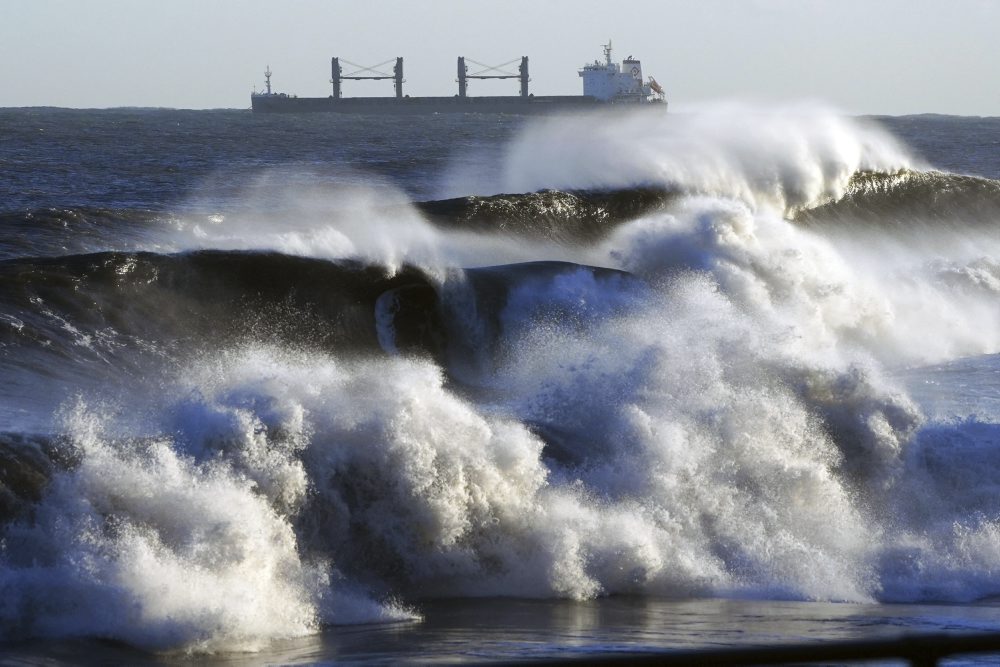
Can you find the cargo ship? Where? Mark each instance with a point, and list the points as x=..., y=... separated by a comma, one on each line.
x=605, y=83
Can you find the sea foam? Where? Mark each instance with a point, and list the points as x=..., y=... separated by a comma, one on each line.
x=721, y=417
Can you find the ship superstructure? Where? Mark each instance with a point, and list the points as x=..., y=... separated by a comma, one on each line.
x=267, y=92
x=604, y=83
x=612, y=83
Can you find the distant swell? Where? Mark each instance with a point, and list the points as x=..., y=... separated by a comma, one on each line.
x=64, y=231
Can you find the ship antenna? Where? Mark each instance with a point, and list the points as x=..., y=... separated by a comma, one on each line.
x=267, y=77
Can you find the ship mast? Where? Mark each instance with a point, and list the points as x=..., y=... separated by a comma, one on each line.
x=607, y=52
x=267, y=78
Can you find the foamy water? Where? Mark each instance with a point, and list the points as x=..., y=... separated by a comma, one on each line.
x=726, y=414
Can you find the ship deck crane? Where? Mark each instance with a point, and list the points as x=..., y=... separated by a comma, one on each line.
x=337, y=75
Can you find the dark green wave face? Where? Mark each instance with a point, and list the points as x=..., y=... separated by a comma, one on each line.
x=84, y=319
x=900, y=198
x=577, y=217
x=911, y=198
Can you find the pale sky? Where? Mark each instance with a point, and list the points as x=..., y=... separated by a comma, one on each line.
x=862, y=56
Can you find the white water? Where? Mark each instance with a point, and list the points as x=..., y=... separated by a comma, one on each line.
x=727, y=425
x=784, y=158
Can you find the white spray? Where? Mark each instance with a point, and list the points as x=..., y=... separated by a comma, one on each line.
x=725, y=424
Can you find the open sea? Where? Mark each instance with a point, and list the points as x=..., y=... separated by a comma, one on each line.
x=281, y=389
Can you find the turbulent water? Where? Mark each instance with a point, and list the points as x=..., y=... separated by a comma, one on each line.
x=266, y=375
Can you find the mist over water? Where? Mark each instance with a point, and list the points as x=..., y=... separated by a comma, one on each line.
x=680, y=356
x=790, y=157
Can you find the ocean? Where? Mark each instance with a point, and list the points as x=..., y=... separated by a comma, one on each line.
x=329, y=388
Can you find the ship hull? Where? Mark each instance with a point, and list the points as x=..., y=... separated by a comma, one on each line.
x=429, y=105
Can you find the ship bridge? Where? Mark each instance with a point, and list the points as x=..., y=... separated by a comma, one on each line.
x=610, y=82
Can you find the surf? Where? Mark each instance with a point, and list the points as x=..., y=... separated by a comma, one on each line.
x=661, y=358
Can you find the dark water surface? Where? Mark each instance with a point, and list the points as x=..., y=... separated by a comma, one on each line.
x=521, y=630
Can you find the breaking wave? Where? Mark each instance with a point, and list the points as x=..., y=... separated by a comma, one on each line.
x=675, y=375
x=910, y=198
